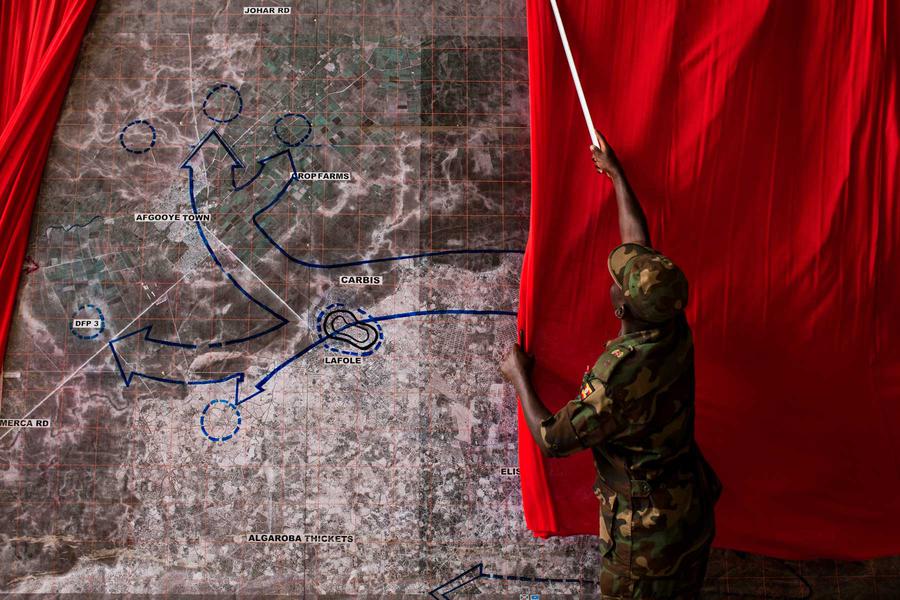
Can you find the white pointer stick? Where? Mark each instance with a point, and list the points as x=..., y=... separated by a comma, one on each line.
x=584, y=106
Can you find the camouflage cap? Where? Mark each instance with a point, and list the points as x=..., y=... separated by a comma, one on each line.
x=655, y=288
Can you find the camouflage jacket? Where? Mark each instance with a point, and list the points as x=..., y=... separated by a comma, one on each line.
x=636, y=414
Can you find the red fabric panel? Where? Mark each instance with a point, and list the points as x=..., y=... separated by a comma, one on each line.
x=40, y=40
x=762, y=139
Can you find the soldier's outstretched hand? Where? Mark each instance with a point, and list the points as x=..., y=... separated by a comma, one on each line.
x=517, y=364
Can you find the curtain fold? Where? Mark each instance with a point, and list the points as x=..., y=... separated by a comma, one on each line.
x=40, y=41
x=762, y=139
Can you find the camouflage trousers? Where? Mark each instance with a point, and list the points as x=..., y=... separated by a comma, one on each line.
x=617, y=582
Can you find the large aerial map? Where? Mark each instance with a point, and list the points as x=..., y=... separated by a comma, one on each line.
x=273, y=267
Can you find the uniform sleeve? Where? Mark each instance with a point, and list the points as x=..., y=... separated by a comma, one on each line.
x=582, y=423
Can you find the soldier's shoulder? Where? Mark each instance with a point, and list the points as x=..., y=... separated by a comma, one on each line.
x=616, y=354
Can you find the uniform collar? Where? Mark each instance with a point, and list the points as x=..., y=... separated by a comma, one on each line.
x=646, y=336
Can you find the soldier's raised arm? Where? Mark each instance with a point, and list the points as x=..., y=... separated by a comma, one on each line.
x=632, y=222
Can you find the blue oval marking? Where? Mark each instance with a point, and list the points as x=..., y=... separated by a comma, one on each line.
x=223, y=438
x=134, y=124
x=99, y=316
x=281, y=119
x=212, y=92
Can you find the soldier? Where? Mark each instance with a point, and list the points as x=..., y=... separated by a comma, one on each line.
x=635, y=411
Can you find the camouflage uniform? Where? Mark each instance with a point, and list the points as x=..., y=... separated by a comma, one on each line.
x=636, y=414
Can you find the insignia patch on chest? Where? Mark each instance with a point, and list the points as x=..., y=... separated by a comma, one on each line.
x=618, y=352
x=587, y=389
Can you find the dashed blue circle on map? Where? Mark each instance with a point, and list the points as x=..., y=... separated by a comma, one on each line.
x=285, y=125
x=348, y=332
x=225, y=411
x=221, y=99
x=135, y=130
x=88, y=322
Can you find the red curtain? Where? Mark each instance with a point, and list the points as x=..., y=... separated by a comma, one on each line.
x=762, y=139
x=39, y=41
